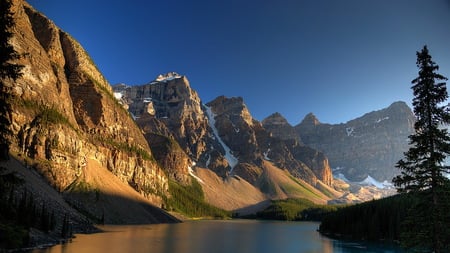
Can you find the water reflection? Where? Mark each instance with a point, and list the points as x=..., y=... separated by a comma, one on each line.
x=209, y=236
x=354, y=247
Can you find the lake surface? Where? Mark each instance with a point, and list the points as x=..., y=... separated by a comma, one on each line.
x=232, y=236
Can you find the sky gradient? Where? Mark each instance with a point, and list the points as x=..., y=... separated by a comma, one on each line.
x=337, y=59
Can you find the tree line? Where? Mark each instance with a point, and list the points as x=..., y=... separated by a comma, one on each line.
x=374, y=220
x=293, y=209
x=19, y=212
x=190, y=200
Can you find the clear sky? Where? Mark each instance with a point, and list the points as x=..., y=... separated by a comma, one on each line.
x=337, y=59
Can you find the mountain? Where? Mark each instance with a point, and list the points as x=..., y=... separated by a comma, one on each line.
x=370, y=145
x=220, y=136
x=69, y=128
x=279, y=127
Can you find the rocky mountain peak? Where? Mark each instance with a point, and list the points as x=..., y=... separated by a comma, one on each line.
x=398, y=109
x=276, y=119
x=310, y=120
x=235, y=125
x=233, y=107
x=170, y=113
x=167, y=77
x=279, y=127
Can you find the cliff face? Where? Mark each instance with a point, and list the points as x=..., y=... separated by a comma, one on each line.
x=65, y=115
x=280, y=128
x=235, y=127
x=369, y=145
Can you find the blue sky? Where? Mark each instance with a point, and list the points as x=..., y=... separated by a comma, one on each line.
x=337, y=59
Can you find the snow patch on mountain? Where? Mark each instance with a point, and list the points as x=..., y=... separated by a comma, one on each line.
x=208, y=161
x=372, y=181
x=232, y=160
x=118, y=95
x=368, y=181
x=381, y=119
x=266, y=154
x=168, y=77
x=191, y=172
x=349, y=131
x=341, y=177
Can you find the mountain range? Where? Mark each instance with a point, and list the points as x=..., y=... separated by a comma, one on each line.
x=106, y=153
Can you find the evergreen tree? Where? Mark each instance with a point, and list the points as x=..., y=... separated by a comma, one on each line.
x=8, y=70
x=422, y=169
x=66, y=230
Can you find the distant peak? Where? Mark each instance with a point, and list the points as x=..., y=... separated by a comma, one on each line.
x=275, y=117
x=398, y=108
x=231, y=100
x=400, y=104
x=168, y=76
x=310, y=119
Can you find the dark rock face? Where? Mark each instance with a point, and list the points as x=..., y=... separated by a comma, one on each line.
x=279, y=127
x=369, y=145
x=236, y=127
x=170, y=156
x=290, y=152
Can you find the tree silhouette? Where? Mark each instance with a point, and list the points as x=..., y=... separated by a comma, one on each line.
x=8, y=70
x=422, y=169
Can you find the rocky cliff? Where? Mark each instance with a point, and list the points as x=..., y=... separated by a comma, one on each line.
x=369, y=145
x=66, y=119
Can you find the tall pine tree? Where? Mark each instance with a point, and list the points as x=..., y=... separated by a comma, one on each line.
x=423, y=172
x=8, y=70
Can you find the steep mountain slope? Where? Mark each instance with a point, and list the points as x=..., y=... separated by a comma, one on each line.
x=231, y=193
x=45, y=195
x=280, y=184
x=66, y=119
x=369, y=145
x=97, y=190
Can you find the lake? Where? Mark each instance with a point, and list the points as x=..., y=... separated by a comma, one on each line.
x=236, y=236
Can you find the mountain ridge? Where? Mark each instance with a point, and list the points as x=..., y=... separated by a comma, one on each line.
x=368, y=145
x=256, y=142
x=230, y=142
